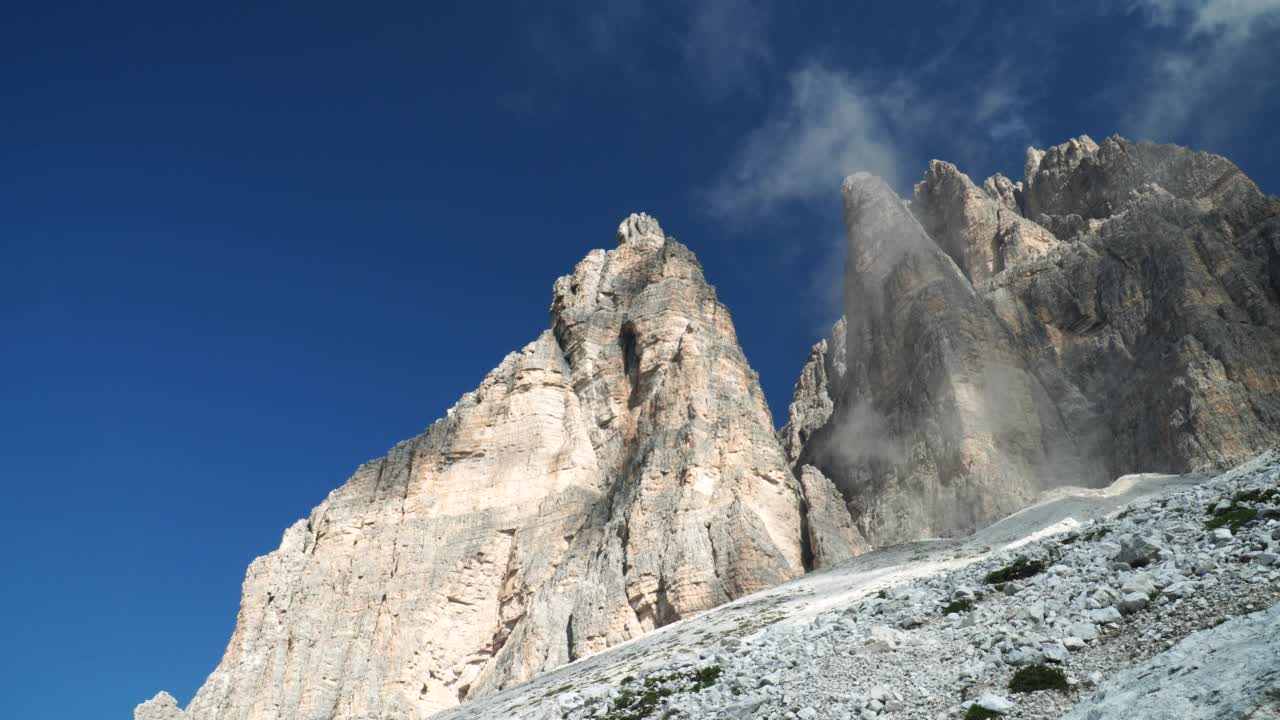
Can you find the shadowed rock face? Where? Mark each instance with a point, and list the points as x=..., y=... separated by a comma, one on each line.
x=617, y=474
x=1116, y=311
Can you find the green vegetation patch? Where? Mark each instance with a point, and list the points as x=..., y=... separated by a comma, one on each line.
x=640, y=703
x=1257, y=495
x=1233, y=518
x=706, y=677
x=1038, y=677
x=1021, y=569
x=1097, y=534
x=557, y=691
x=961, y=605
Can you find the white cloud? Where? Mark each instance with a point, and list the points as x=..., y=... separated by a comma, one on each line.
x=829, y=126
x=1204, y=87
x=1232, y=19
x=721, y=45
x=833, y=123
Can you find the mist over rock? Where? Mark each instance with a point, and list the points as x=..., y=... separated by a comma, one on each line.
x=616, y=474
x=1003, y=339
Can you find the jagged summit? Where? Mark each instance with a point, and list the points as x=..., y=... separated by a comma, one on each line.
x=640, y=228
x=1006, y=338
x=618, y=473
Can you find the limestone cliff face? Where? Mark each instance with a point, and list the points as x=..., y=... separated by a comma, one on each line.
x=1116, y=311
x=617, y=474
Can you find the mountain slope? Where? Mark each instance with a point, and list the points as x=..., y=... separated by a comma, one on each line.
x=1116, y=577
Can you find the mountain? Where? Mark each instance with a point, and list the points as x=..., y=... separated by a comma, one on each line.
x=1117, y=310
x=618, y=473
x=1003, y=339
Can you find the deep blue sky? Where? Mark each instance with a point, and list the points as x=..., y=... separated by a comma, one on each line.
x=244, y=248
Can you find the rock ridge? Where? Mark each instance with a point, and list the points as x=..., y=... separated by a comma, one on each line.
x=1005, y=338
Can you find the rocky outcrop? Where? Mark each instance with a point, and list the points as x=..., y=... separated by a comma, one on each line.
x=617, y=474
x=828, y=529
x=161, y=707
x=1004, y=339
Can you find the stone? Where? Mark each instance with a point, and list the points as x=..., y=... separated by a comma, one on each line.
x=882, y=638
x=1055, y=652
x=831, y=535
x=1228, y=671
x=1083, y=630
x=908, y=306
x=619, y=473
x=1133, y=602
x=1104, y=615
x=1058, y=312
x=1139, y=551
x=1220, y=536
x=993, y=702
x=1138, y=583
x=161, y=707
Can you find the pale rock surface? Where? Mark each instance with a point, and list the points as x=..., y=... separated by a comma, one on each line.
x=1229, y=672
x=1004, y=191
x=981, y=234
x=161, y=707
x=1005, y=339
x=829, y=528
x=619, y=473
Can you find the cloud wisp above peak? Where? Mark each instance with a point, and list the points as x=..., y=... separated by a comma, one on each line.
x=1204, y=87
x=830, y=124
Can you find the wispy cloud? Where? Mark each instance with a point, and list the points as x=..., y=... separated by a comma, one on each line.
x=727, y=44
x=721, y=47
x=1233, y=19
x=829, y=124
x=833, y=122
x=1219, y=67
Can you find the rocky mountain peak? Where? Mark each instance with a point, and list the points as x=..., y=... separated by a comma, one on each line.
x=1082, y=178
x=981, y=229
x=619, y=473
x=640, y=228
x=1006, y=339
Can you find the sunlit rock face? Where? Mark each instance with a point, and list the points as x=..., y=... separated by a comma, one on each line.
x=618, y=473
x=1115, y=311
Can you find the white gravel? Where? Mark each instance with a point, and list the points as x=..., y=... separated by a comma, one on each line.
x=870, y=639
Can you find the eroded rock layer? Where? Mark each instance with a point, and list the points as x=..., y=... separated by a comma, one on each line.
x=617, y=474
x=1004, y=339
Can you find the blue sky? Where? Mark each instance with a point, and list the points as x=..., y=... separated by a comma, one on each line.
x=245, y=247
